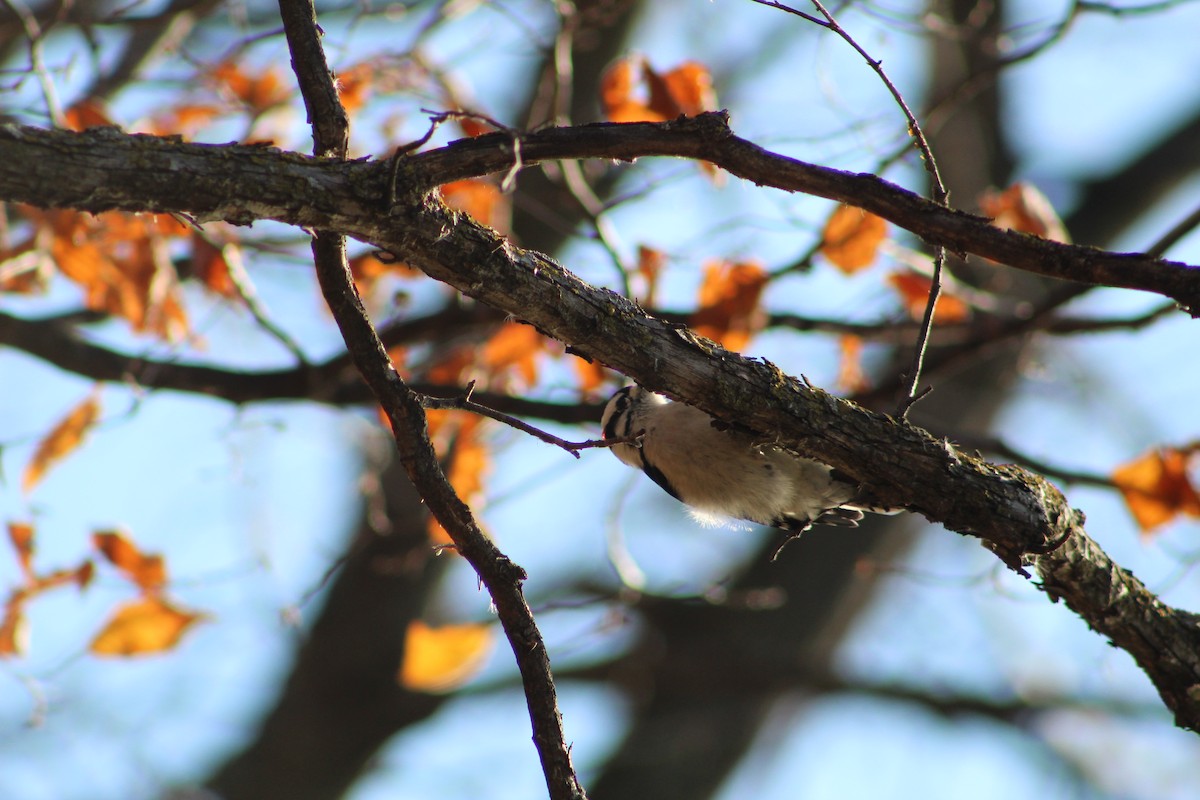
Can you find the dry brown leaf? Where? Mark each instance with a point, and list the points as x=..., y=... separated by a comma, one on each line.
x=21, y=536
x=439, y=659
x=591, y=376
x=24, y=268
x=88, y=113
x=62, y=440
x=258, y=92
x=148, y=572
x=148, y=625
x=728, y=311
x=472, y=127
x=469, y=463
x=515, y=348
x=183, y=120
x=618, y=85
x=914, y=293
x=453, y=365
x=355, y=85
x=83, y=574
x=1157, y=487
x=13, y=625
x=367, y=270
x=632, y=91
x=14, y=631
x=617, y=82
x=851, y=378
x=120, y=262
x=650, y=266
x=458, y=434
x=210, y=268
x=482, y=200
x=1021, y=207
x=690, y=89
x=852, y=237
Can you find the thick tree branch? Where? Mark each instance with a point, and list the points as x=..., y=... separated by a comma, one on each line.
x=104, y=169
x=707, y=137
x=1019, y=515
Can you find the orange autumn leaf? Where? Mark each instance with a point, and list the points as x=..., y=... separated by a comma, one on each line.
x=148, y=572
x=852, y=237
x=692, y=87
x=13, y=624
x=144, y=626
x=439, y=659
x=468, y=467
x=355, y=84
x=121, y=263
x=62, y=440
x=1021, y=207
x=367, y=270
x=632, y=91
x=650, y=266
x=851, y=378
x=914, y=293
x=24, y=268
x=617, y=82
x=591, y=375
x=688, y=88
x=86, y=114
x=456, y=434
x=515, y=348
x=450, y=368
x=617, y=86
x=184, y=120
x=21, y=536
x=1157, y=487
x=480, y=199
x=210, y=267
x=728, y=310
x=82, y=575
x=14, y=631
x=472, y=127
x=258, y=92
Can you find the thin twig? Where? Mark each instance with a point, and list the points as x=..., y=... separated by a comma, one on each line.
x=402, y=406
x=506, y=183
x=402, y=151
x=940, y=195
x=1177, y=232
x=240, y=279
x=465, y=403
x=1066, y=475
x=35, y=35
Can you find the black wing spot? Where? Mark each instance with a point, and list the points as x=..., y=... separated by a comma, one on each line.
x=658, y=477
x=622, y=403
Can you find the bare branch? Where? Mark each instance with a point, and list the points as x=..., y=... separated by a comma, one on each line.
x=940, y=196
x=463, y=402
x=501, y=576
